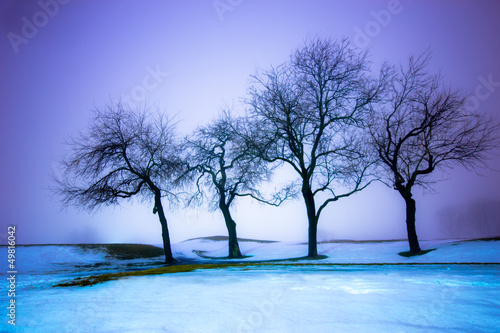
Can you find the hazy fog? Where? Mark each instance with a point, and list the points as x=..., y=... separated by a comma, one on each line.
x=189, y=58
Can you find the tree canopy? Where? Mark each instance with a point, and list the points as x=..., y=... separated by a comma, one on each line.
x=425, y=126
x=124, y=153
x=309, y=113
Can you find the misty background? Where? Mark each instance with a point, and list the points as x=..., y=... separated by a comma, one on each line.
x=59, y=59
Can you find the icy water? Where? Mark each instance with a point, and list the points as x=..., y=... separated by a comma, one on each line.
x=284, y=299
x=275, y=298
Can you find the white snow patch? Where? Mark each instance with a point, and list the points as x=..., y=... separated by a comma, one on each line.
x=429, y=298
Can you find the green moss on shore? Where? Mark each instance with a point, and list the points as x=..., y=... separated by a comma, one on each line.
x=94, y=279
x=183, y=268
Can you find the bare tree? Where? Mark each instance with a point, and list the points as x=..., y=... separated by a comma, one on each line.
x=226, y=169
x=123, y=154
x=423, y=127
x=308, y=113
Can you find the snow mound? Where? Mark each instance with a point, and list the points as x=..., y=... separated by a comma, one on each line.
x=43, y=265
x=344, y=252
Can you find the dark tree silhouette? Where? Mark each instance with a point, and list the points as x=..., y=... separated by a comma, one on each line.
x=308, y=113
x=425, y=126
x=123, y=154
x=226, y=168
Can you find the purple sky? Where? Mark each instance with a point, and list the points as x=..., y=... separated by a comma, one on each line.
x=188, y=57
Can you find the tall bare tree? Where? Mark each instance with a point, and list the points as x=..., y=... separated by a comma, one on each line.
x=308, y=113
x=226, y=169
x=426, y=126
x=123, y=154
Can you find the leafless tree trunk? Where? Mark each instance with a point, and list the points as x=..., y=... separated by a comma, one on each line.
x=226, y=168
x=124, y=154
x=309, y=113
x=425, y=126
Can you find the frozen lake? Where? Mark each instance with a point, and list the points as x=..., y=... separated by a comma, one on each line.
x=328, y=297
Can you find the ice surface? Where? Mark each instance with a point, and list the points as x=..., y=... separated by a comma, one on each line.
x=323, y=298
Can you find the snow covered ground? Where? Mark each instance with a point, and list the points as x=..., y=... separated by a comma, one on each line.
x=439, y=296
